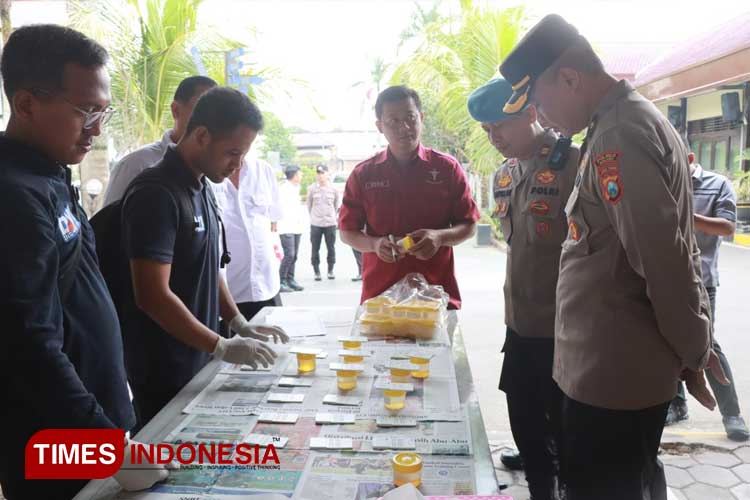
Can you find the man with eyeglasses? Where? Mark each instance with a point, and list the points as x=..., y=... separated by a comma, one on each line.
x=407, y=189
x=61, y=354
x=128, y=168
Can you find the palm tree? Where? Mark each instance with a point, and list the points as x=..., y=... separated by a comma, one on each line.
x=459, y=55
x=153, y=45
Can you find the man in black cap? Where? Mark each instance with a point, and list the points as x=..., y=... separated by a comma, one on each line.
x=323, y=202
x=530, y=190
x=632, y=313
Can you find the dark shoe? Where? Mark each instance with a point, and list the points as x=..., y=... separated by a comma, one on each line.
x=331, y=275
x=317, y=275
x=677, y=412
x=294, y=286
x=736, y=428
x=357, y=278
x=285, y=288
x=511, y=459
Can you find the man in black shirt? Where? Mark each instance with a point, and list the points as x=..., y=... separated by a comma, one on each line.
x=61, y=356
x=170, y=329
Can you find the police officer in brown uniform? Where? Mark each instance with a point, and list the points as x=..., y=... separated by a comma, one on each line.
x=530, y=190
x=632, y=313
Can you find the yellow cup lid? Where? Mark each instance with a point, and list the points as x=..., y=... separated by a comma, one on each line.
x=408, y=462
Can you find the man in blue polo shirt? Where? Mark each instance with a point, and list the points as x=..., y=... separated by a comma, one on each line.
x=61, y=356
x=715, y=208
x=170, y=327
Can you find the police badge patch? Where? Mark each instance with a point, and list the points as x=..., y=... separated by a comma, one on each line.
x=608, y=170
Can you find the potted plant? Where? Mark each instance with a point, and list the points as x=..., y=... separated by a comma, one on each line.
x=741, y=186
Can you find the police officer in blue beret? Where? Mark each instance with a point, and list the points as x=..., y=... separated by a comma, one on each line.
x=530, y=190
x=632, y=314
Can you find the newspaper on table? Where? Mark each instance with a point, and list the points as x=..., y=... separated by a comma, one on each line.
x=354, y=477
x=231, y=394
x=212, y=429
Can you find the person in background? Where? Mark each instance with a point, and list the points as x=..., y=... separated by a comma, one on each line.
x=715, y=207
x=358, y=259
x=290, y=227
x=250, y=207
x=61, y=352
x=407, y=189
x=128, y=168
x=323, y=203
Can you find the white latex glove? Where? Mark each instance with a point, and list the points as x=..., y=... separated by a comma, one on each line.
x=243, y=328
x=244, y=351
x=142, y=476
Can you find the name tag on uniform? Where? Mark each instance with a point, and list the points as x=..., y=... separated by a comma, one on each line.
x=68, y=224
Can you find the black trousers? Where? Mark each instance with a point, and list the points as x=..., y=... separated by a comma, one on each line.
x=726, y=395
x=534, y=403
x=290, y=244
x=317, y=233
x=358, y=258
x=612, y=454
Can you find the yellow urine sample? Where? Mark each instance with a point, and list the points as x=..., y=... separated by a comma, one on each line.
x=407, y=468
x=423, y=367
x=305, y=362
x=353, y=359
x=398, y=375
x=394, y=400
x=346, y=379
x=352, y=344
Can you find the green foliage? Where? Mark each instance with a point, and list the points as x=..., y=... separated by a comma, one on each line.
x=308, y=178
x=458, y=55
x=276, y=137
x=487, y=218
x=741, y=185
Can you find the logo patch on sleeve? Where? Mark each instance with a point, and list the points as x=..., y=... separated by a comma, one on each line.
x=573, y=232
x=504, y=181
x=546, y=177
x=68, y=224
x=608, y=170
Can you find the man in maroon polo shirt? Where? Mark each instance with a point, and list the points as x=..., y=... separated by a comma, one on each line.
x=407, y=189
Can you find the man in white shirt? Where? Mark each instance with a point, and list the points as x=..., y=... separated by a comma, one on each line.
x=250, y=209
x=128, y=168
x=291, y=226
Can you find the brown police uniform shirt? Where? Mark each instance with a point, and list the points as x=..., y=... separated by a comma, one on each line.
x=530, y=197
x=631, y=310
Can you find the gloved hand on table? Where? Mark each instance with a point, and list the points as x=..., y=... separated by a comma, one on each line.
x=244, y=351
x=243, y=328
x=134, y=477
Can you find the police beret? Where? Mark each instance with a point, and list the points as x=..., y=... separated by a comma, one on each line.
x=486, y=103
x=536, y=52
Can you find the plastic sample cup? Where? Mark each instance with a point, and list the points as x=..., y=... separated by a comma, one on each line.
x=346, y=379
x=407, y=468
x=394, y=400
x=352, y=344
x=399, y=376
x=423, y=367
x=353, y=359
x=305, y=362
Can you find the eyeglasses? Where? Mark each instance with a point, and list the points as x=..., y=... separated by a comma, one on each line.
x=90, y=118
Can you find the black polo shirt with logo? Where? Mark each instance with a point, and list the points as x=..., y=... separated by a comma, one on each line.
x=150, y=221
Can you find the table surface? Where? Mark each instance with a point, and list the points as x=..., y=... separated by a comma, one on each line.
x=338, y=321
